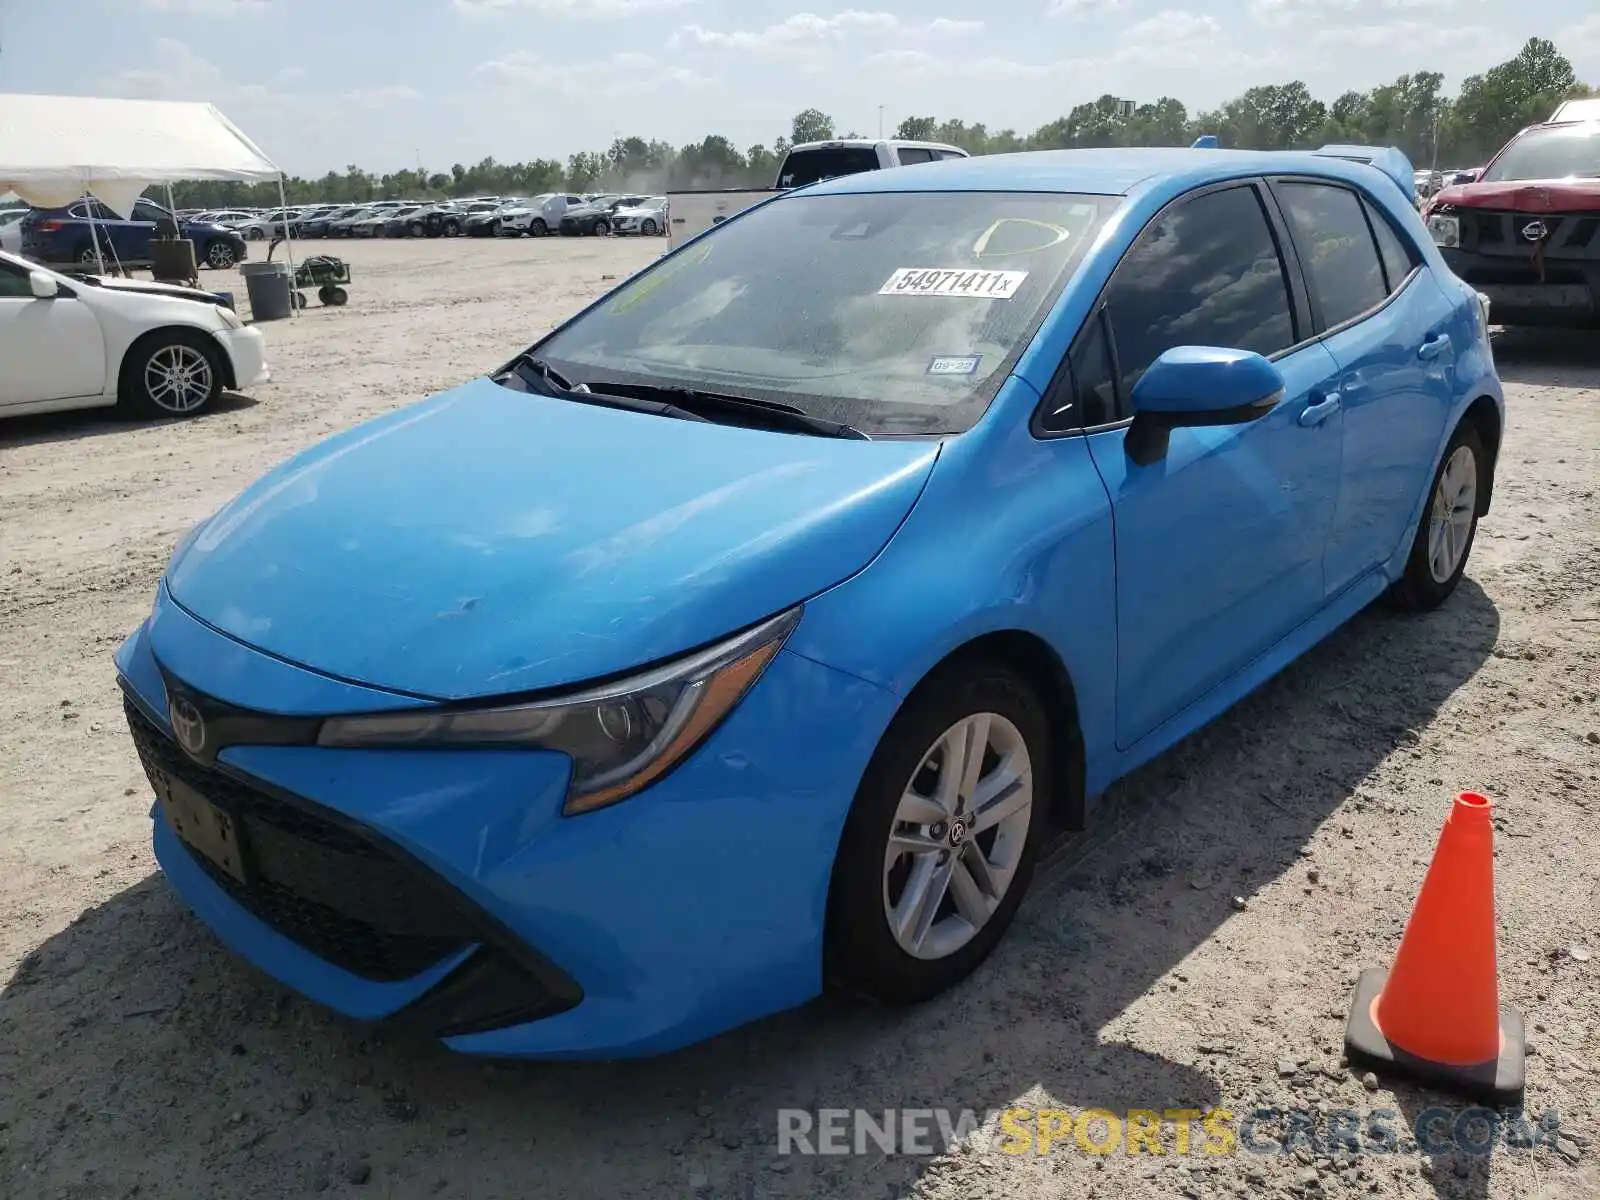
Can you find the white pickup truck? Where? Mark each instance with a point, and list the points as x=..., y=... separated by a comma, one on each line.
x=691, y=212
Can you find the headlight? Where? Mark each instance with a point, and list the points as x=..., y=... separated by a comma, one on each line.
x=229, y=317
x=621, y=736
x=1446, y=231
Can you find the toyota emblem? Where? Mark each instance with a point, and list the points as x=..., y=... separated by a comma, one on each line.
x=1535, y=231
x=958, y=831
x=188, y=726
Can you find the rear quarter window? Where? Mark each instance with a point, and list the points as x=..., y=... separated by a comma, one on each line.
x=804, y=167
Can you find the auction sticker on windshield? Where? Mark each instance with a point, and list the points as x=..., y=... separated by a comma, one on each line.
x=938, y=281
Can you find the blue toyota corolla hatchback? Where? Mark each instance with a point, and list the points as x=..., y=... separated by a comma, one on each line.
x=745, y=635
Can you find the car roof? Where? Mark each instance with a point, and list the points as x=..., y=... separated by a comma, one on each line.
x=1105, y=172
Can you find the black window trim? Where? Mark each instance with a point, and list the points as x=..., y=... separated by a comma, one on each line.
x=1299, y=310
x=1363, y=201
x=1375, y=214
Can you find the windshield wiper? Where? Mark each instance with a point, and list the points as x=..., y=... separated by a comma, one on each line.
x=770, y=412
x=531, y=369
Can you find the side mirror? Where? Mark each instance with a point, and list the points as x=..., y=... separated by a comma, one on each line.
x=1198, y=385
x=43, y=286
x=1206, y=385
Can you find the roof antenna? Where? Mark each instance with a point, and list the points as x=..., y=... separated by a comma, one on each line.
x=1206, y=141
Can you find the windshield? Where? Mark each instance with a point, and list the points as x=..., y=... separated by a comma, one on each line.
x=826, y=162
x=1549, y=154
x=894, y=312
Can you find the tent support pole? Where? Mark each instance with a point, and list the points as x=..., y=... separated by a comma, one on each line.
x=94, y=224
x=288, y=242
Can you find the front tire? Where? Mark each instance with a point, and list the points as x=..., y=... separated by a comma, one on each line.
x=941, y=840
x=538, y=228
x=170, y=373
x=1449, y=525
x=452, y=228
x=600, y=228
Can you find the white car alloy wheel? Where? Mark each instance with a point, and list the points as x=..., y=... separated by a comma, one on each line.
x=959, y=833
x=178, y=379
x=1455, y=501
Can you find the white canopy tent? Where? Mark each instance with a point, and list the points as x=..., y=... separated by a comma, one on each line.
x=54, y=149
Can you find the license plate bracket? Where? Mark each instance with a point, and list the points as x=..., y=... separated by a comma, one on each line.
x=204, y=827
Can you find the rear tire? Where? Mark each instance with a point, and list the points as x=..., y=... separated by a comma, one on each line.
x=1448, y=527
x=452, y=228
x=170, y=373
x=218, y=255
x=878, y=941
x=648, y=227
x=538, y=228
x=601, y=228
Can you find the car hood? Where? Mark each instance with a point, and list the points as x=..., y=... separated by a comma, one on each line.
x=488, y=542
x=1531, y=197
x=146, y=287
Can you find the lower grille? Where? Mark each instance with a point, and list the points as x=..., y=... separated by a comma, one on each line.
x=342, y=897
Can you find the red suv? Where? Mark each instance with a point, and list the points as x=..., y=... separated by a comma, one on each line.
x=1526, y=232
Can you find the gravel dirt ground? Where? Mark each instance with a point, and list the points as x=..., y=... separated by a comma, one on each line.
x=1196, y=950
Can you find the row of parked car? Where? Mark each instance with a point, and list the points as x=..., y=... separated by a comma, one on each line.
x=567, y=213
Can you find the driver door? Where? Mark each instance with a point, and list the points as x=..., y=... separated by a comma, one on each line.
x=52, y=349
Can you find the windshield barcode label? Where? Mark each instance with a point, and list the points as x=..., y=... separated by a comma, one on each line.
x=939, y=281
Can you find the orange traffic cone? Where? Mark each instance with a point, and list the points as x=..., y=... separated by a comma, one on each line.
x=1436, y=1016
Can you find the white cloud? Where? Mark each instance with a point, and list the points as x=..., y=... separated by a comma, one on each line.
x=807, y=33
x=1401, y=33
x=208, y=8
x=621, y=74
x=595, y=9
x=1076, y=8
x=382, y=97
x=919, y=63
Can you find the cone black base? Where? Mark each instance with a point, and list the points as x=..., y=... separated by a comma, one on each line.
x=1500, y=1083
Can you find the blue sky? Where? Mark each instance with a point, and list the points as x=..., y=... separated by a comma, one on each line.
x=322, y=83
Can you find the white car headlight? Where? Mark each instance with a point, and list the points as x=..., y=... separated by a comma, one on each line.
x=229, y=317
x=1446, y=231
x=621, y=736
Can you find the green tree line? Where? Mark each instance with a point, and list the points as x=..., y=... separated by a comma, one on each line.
x=1414, y=113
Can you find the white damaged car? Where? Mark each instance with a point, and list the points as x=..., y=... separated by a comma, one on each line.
x=648, y=218
x=151, y=349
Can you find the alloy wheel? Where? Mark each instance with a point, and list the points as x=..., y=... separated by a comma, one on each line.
x=178, y=379
x=958, y=836
x=220, y=255
x=1455, y=501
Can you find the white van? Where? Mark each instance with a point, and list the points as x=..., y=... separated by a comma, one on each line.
x=693, y=211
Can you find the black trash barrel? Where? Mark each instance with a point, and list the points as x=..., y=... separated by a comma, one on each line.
x=270, y=286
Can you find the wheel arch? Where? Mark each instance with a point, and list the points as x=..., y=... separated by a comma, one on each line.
x=1036, y=661
x=223, y=358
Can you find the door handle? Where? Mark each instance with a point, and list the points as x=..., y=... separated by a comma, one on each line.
x=1433, y=347
x=1316, y=414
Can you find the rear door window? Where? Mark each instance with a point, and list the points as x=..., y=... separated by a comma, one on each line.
x=1206, y=272
x=804, y=167
x=1336, y=248
x=914, y=154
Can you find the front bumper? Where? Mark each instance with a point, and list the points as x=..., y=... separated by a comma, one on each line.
x=1524, y=290
x=247, y=351
x=692, y=908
